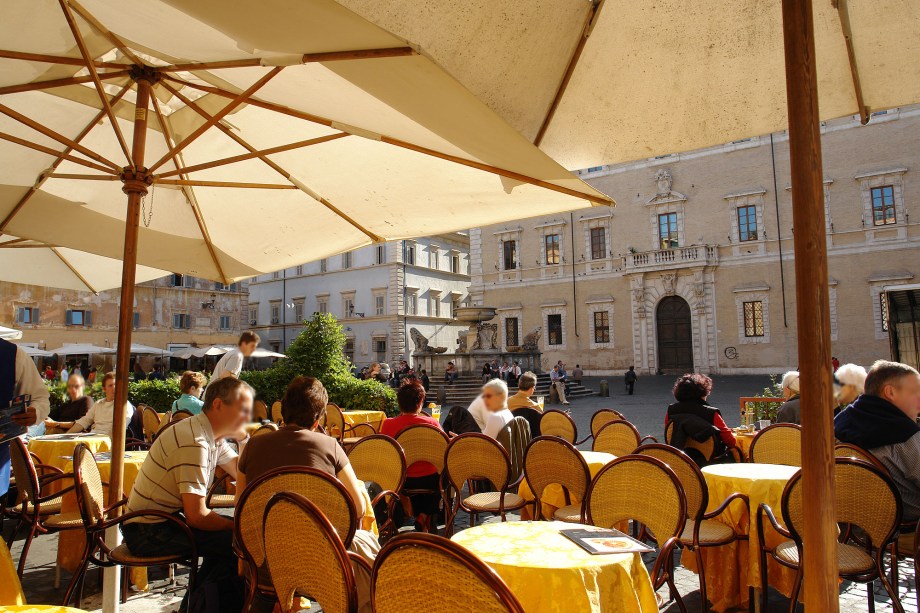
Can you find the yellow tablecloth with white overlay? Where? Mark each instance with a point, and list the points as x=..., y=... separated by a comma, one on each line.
x=549, y=573
x=57, y=450
x=71, y=542
x=744, y=443
x=732, y=568
x=10, y=588
x=553, y=496
x=374, y=418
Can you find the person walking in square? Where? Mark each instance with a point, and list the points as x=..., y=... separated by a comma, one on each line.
x=631, y=378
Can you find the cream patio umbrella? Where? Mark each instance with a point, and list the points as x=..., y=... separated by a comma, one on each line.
x=10, y=334
x=225, y=141
x=610, y=81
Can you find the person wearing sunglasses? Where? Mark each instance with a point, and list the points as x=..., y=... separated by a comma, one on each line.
x=495, y=398
x=77, y=405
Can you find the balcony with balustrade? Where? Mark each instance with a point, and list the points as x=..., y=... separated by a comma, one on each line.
x=668, y=259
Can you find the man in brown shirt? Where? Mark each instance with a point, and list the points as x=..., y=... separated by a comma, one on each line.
x=527, y=385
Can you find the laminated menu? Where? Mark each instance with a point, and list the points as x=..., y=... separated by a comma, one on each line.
x=600, y=541
x=9, y=429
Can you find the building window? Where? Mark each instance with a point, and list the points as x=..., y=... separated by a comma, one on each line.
x=747, y=223
x=136, y=320
x=509, y=254
x=276, y=313
x=753, y=319
x=299, y=270
x=667, y=230
x=78, y=317
x=275, y=346
x=435, y=306
x=253, y=314
x=322, y=305
x=176, y=280
x=380, y=304
x=454, y=305
x=598, y=243
x=276, y=274
x=409, y=253
x=434, y=258
x=554, y=329
x=346, y=259
x=380, y=350
x=511, y=332
x=350, y=350
x=220, y=287
x=601, y=327
x=883, y=211
x=27, y=315
x=224, y=323
x=455, y=264
x=551, y=244
x=411, y=304
x=380, y=254
x=182, y=321
x=323, y=265
x=298, y=311
x=883, y=306
x=348, y=306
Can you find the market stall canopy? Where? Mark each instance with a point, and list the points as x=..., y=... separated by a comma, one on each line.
x=36, y=263
x=35, y=352
x=277, y=133
x=604, y=82
x=81, y=349
x=9, y=333
x=215, y=350
x=138, y=349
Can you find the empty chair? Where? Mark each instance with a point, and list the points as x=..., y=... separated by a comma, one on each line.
x=460, y=577
x=294, y=562
x=151, y=423
x=558, y=423
x=778, y=444
x=276, y=412
x=551, y=460
x=642, y=489
x=603, y=417
x=259, y=411
x=181, y=414
x=617, y=437
x=380, y=459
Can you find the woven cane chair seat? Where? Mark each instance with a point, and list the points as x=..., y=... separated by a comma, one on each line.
x=489, y=501
x=851, y=560
x=570, y=514
x=64, y=520
x=123, y=555
x=222, y=501
x=711, y=531
x=50, y=507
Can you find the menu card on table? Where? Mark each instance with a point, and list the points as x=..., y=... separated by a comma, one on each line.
x=599, y=541
x=8, y=428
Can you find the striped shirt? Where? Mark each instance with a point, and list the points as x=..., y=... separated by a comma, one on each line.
x=181, y=461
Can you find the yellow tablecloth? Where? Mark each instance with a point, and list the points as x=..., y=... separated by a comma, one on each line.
x=71, y=542
x=10, y=588
x=548, y=572
x=58, y=452
x=731, y=569
x=374, y=418
x=40, y=608
x=744, y=444
x=553, y=496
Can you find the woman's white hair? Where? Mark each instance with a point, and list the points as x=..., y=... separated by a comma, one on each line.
x=852, y=374
x=791, y=381
x=497, y=385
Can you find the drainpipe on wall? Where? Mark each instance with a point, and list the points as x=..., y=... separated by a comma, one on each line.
x=779, y=236
x=574, y=294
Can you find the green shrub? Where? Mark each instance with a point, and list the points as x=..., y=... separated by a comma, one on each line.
x=767, y=410
x=157, y=394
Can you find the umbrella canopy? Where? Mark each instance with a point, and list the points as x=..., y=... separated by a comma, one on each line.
x=81, y=349
x=266, y=122
x=199, y=352
x=138, y=349
x=9, y=333
x=34, y=352
x=265, y=353
x=37, y=263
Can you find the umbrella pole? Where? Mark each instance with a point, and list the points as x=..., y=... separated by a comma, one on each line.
x=135, y=182
x=812, y=308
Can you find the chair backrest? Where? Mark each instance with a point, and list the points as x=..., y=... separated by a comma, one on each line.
x=558, y=423
x=847, y=450
x=380, y=459
x=259, y=411
x=707, y=448
x=294, y=562
x=264, y=429
x=181, y=414
x=321, y=489
x=276, y=412
x=151, y=423
x=639, y=488
x=459, y=577
x=778, y=444
x=533, y=417
x=334, y=421
x=423, y=443
x=477, y=456
x=90, y=491
x=515, y=437
x=866, y=497
x=362, y=430
x=617, y=437
x=603, y=417
x=27, y=484
x=550, y=460
x=688, y=473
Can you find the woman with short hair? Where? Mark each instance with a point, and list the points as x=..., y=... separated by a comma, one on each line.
x=495, y=398
x=191, y=385
x=852, y=381
x=790, y=411
x=691, y=392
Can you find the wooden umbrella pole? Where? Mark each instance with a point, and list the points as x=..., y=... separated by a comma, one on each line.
x=812, y=308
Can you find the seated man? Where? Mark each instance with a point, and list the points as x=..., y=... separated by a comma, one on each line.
x=527, y=385
x=884, y=421
x=101, y=416
x=175, y=478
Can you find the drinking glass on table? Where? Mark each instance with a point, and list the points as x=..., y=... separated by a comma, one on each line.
x=540, y=401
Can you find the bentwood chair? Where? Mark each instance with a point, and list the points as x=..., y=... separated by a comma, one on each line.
x=866, y=498
x=380, y=459
x=181, y=414
x=602, y=417
x=276, y=412
x=550, y=460
x=151, y=423
x=474, y=457
x=558, y=423
x=532, y=416
x=314, y=564
x=460, y=577
x=264, y=429
x=778, y=444
x=424, y=443
x=847, y=450
x=617, y=437
x=259, y=411
x=96, y=518
x=36, y=509
x=645, y=490
x=336, y=426
x=702, y=529
x=706, y=449
x=325, y=491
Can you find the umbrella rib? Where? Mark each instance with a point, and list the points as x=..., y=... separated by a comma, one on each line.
x=50, y=151
x=843, y=12
x=79, y=177
x=42, y=178
x=569, y=70
x=237, y=100
x=223, y=184
x=95, y=23
x=189, y=192
x=55, y=59
x=74, y=270
x=38, y=85
x=88, y=59
x=307, y=58
x=240, y=141
x=598, y=200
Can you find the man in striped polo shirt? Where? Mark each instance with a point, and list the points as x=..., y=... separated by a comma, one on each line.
x=175, y=478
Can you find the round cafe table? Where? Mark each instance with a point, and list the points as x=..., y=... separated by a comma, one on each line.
x=374, y=418
x=732, y=569
x=548, y=573
x=553, y=496
x=57, y=449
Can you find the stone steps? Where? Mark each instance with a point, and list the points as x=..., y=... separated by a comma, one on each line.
x=465, y=389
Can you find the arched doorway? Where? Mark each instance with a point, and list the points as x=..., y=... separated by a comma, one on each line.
x=675, y=336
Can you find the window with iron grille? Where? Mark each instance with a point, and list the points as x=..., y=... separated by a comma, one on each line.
x=667, y=230
x=511, y=332
x=509, y=254
x=883, y=211
x=747, y=223
x=598, y=243
x=753, y=319
x=554, y=329
x=883, y=306
x=601, y=327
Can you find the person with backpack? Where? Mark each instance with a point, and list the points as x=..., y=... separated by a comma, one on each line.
x=630, y=378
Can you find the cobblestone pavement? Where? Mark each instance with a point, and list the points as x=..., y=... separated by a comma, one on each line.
x=645, y=409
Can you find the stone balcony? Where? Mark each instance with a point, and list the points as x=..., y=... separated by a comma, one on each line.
x=678, y=257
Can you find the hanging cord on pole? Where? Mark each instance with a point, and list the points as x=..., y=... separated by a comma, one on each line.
x=146, y=216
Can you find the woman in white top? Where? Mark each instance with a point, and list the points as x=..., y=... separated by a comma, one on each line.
x=495, y=398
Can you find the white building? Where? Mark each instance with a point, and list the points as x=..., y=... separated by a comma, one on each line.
x=378, y=293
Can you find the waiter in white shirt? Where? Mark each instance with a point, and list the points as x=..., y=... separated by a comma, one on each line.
x=231, y=364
